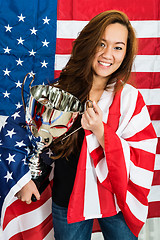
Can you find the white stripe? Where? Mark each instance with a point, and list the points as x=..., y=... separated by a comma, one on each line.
x=102, y=170
x=128, y=103
x=157, y=162
x=146, y=63
x=91, y=198
x=137, y=123
x=156, y=125
x=144, y=29
x=126, y=152
x=154, y=194
x=138, y=209
x=28, y=220
x=61, y=61
x=141, y=176
x=151, y=96
x=10, y=196
x=143, y=63
x=148, y=145
x=92, y=142
x=147, y=29
x=69, y=29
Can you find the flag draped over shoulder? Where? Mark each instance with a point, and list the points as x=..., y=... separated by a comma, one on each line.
x=31, y=33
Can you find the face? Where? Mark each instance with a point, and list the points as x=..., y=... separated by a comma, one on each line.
x=111, y=51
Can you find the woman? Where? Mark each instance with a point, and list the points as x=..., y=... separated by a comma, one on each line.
x=105, y=170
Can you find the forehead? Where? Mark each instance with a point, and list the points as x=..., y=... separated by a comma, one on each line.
x=116, y=33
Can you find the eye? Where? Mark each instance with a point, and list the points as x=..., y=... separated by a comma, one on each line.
x=118, y=48
x=102, y=44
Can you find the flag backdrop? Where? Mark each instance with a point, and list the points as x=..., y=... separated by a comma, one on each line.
x=36, y=37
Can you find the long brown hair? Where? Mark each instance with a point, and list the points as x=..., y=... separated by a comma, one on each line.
x=77, y=76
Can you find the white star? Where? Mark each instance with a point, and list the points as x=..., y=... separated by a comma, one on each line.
x=33, y=31
x=6, y=94
x=32, y=53
x=8, y=176
x=19, y=62
x=21, y=18
x=32, y=74
x=10, y=133
x=46, y=20
x=6, y=72
x=45, y=43
x=20, y=144
x=20, y=40
x=10, y=158
x=8, y=28
x=44, y=64
x=15, y=115
x=0, y=142
x=7, y=50
x=18, y=84
x=49, y=152
x=18, y=105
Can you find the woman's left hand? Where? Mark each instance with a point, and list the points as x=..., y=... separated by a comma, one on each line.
x=92, y=120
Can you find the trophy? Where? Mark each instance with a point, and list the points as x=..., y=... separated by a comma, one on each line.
x=50, y=113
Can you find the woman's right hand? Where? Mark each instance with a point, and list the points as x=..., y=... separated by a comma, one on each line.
x=26, y=192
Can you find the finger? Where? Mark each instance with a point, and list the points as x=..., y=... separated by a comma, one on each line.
x=28, y=202
x=37, y=194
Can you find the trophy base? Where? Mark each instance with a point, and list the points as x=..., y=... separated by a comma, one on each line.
x=42, y=182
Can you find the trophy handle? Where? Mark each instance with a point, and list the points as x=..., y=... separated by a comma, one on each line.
x=22, y=90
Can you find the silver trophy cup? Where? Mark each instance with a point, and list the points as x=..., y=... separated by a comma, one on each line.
x=50, y=113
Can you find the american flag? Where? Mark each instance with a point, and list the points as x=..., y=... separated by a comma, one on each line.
x=31, y=33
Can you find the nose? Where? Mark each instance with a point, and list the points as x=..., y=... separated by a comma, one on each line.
x=108, y=52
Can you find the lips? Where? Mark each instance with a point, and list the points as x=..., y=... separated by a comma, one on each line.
x=105, y=64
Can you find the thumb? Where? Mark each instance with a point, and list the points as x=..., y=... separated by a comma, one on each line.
x=96, y=107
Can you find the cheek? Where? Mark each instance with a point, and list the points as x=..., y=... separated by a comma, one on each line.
x=120, y=58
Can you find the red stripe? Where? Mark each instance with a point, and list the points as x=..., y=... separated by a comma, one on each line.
x=139, y=154
x=154, y=209
x=158, y=146
x=154, y=111
x=85, y=10
x=146, y=133
x=18, y=207
x=145, y=80
x=97, y=155
x=149, y=46
x=106, y=198
x=146, y=46
x=156, y=178
x=138, y=192
x=36, y=233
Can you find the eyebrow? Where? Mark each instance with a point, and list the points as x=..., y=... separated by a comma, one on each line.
x=115, y=42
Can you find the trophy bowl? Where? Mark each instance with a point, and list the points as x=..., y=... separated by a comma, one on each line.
x=50, y=113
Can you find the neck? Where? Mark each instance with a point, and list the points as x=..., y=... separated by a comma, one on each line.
x=99, y=83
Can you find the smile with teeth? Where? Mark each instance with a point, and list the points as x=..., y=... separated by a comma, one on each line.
x=105, y=64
